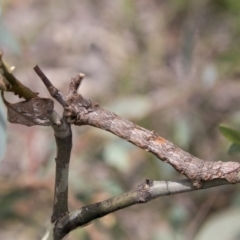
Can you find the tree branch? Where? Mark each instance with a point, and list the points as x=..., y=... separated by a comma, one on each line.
x=82, y=112
x=54, y=92
x=145, y=192
x=63, y=137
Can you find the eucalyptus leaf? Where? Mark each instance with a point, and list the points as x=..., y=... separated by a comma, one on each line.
x=233, y=149
x=231, y=134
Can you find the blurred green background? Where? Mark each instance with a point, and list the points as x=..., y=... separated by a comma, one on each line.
x=169, y=66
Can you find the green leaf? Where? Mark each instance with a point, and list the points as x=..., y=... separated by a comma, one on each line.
x=231, y=134
x=233, y=149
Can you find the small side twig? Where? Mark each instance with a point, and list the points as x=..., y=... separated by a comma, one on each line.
x=76, y=83
x=55, y=93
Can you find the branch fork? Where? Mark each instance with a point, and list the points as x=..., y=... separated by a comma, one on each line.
x=80, y=111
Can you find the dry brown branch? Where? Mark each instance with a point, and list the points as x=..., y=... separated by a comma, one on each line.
x=54, y=92
x=82, y=112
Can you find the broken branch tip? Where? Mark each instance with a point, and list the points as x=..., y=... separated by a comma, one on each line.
x=81, y=75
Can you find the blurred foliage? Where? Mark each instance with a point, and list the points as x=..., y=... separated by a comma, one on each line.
x=232, y=135
x=3, y=134
x=215, y=226
x=7, y=211
x=7, y=40
x=169, y=66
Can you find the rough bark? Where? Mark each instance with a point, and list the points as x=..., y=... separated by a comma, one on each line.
x=64, y=146
x=82, y=112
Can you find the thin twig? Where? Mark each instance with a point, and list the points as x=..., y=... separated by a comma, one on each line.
x=76, y=83
x=55, y=93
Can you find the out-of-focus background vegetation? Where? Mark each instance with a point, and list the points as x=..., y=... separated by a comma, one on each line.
x=169, y=66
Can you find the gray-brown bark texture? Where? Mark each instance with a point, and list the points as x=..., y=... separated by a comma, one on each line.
x=82, y=112
x=63, y=137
